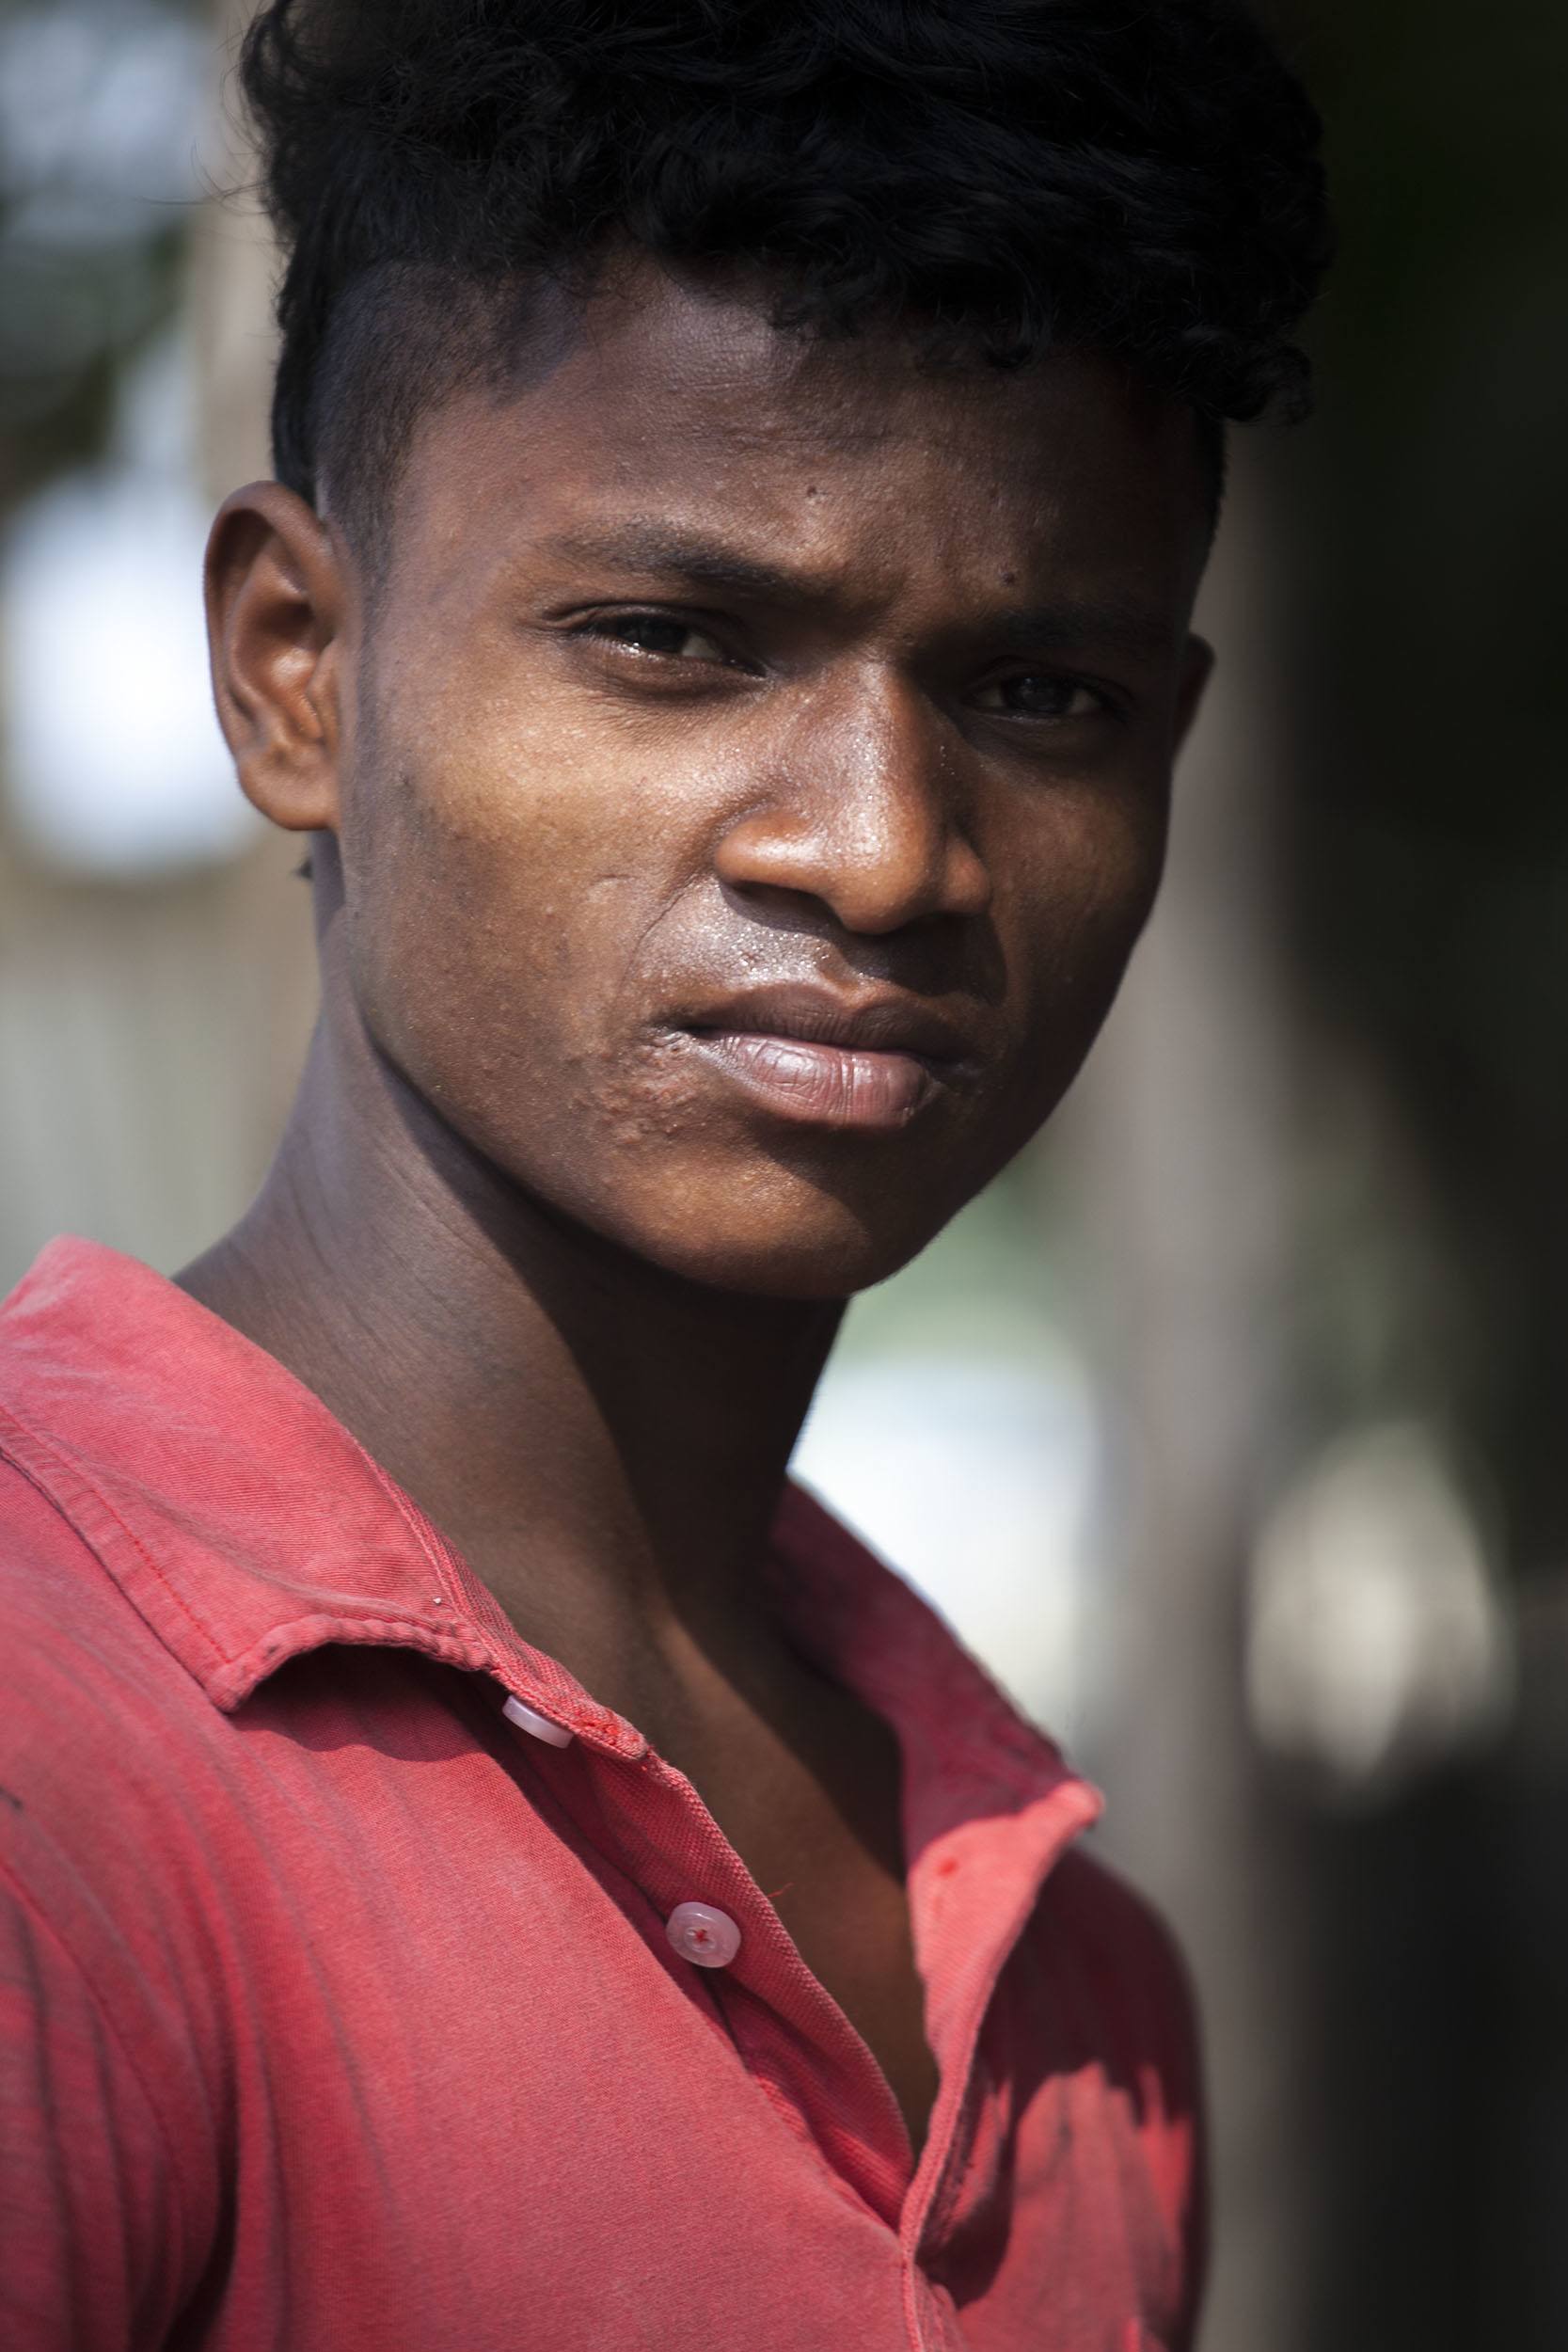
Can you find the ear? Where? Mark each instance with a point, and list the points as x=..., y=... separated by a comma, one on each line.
x=1197, y=668
x=276, y=598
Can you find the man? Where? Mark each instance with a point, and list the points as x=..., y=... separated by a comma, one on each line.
x=486, y=1863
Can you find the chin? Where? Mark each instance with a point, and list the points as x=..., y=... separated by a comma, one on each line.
x=756, y=1224
x=828, y=1255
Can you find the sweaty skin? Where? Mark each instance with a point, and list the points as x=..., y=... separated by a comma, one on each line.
x=734, y=804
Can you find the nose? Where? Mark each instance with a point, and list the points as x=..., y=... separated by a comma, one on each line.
x=862, y=811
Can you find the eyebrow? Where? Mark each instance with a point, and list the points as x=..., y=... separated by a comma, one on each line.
x=635, y=547
x=1117, y=624
x=1111, y=622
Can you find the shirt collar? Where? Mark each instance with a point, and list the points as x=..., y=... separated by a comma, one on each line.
x=247, y=1526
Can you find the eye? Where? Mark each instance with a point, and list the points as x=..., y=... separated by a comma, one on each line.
x=662, y=634
x=1038, y=694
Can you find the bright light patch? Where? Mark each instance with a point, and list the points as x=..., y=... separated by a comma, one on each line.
x=112, y=757
x=975, y=1481
x=100, y=111
x=1377, y=1641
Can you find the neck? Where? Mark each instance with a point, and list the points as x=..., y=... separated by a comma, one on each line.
x=604, y=1442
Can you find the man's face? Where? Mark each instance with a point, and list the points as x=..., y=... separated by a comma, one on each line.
x=755, y=773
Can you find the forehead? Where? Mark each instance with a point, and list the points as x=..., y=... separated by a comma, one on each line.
x=662, y=398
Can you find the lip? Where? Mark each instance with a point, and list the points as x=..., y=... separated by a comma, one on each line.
x=871, y=1063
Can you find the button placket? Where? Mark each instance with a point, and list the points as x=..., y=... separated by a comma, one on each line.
x=639, y=1814
x=800, y=2048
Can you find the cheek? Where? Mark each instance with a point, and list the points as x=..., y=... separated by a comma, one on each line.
x=480, y=910
x=1084, y=883
x=1081, y=891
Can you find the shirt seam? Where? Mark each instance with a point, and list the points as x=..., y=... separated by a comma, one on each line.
x=796, y=2127
x=581, y=1714
x=439, y=1567
x=240, y=1676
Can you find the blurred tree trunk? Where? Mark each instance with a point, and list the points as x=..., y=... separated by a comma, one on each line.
x=1177, y=1137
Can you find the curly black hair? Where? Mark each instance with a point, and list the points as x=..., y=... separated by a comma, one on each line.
x=1006, y=176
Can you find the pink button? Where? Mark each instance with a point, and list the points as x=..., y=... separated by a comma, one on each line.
x=708, y=1938
x=553, y=1735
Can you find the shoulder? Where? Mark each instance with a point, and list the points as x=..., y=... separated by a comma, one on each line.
x=108, y=2136
x=69, y=1642
x=1116, y=1956
x=100, y=1943
x=84, y=1681
x=1115, y=1924
x=1123, y=2014
x=105, y=1745
x=1106, y=1999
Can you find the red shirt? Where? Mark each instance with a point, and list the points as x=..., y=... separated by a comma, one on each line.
x=340, y=2014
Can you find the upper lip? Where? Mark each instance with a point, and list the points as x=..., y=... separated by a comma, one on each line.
x=884, y=1021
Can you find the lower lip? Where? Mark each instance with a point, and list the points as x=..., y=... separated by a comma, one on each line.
x=822, y=1085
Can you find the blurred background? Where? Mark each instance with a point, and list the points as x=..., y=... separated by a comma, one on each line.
x=1229, y=1428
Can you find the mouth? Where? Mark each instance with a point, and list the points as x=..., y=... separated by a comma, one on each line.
x=812, y=1056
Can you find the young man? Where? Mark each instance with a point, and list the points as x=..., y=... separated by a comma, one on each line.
x=486, y=1864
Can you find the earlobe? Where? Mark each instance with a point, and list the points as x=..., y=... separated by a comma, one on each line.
x=276, y=602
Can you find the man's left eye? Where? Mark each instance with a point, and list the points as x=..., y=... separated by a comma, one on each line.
x=659, y=633
x=1034, y=694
